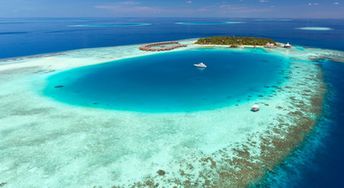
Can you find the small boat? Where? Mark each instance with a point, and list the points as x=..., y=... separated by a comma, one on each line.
x=200, y=65
x=255, y=108
x=288, y=45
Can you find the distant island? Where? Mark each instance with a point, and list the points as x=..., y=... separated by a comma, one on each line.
x=236, y=41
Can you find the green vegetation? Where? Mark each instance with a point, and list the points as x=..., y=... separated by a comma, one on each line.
x=235, y=41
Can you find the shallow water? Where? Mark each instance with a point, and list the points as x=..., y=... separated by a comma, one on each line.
x=318, y=161
x=47, y=143
x=169, y=82
x=35, y=36
x=315, y=28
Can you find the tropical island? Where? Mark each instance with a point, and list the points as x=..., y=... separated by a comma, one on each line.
x=236, y=41
x=232, y=42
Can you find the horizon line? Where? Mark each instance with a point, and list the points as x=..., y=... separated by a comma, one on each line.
x=214, y=17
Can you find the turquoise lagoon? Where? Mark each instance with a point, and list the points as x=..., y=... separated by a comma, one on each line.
x=168, y=82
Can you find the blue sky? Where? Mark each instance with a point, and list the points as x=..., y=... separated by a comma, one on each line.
x=173, y=8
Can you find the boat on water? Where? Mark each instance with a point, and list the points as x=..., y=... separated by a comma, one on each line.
x=255, y=108
x=200, y=65
x=288, y=45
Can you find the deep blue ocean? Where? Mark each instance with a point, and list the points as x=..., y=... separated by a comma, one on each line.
x=318, y=162
x=20, y=37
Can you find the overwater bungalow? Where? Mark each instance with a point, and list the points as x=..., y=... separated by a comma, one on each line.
x=162, y=46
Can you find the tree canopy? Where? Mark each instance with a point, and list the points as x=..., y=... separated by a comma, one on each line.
x=235, y=41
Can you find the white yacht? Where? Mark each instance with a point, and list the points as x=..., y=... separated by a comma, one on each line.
x=200, y=65
x=255, y=108
x=288, y=45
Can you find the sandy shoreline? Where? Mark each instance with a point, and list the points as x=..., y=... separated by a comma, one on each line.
x=47, y=143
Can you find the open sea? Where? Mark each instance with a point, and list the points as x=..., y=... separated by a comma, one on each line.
x=318, y=162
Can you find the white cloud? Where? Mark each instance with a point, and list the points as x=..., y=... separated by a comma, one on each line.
x=313, y=4
x=129, y=3
x=235, y=10
x=128, y=8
